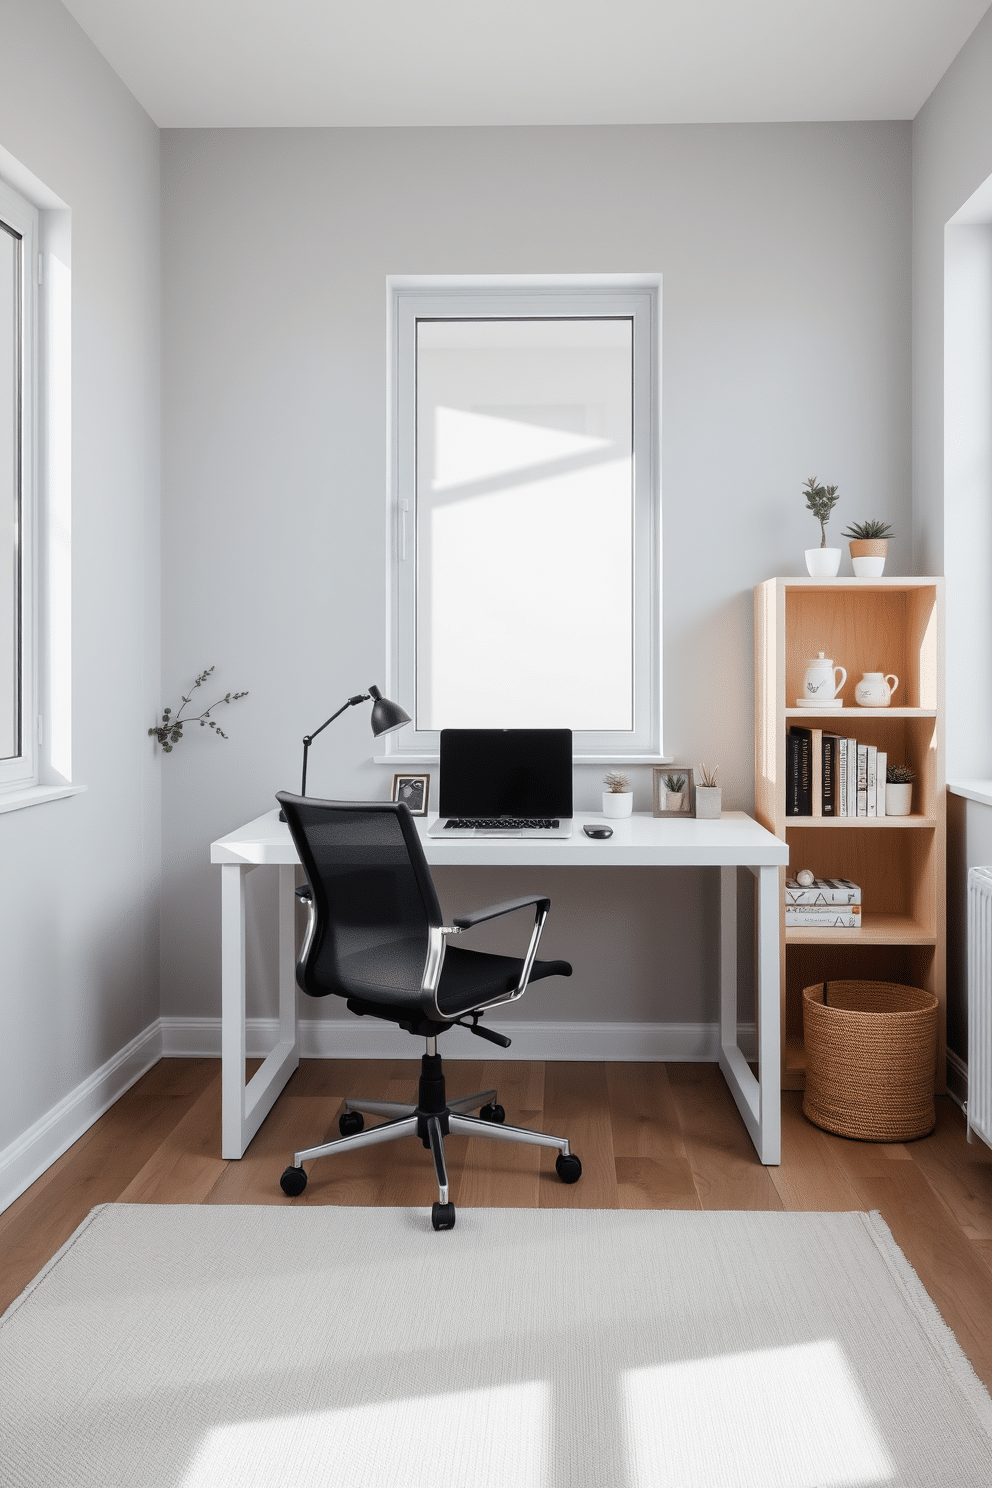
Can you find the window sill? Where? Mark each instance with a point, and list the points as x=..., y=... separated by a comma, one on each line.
x=36, y=795
x=619, y=758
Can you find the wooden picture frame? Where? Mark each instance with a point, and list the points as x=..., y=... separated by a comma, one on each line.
x=414, y=790
x=660, y=794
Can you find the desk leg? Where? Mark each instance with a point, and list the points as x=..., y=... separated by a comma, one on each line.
x=233, y=1017
x=245, y=1107
x=758, y=1100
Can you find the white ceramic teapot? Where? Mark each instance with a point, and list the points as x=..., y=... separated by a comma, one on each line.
x=820, y=683
x=875, y=689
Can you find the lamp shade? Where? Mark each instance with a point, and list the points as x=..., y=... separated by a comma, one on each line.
x=386, y=715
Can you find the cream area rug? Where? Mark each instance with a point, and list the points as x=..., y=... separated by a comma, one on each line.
x=256, y=1347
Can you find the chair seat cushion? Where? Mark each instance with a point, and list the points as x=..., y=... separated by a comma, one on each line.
x=389, y=979
x=471, y=979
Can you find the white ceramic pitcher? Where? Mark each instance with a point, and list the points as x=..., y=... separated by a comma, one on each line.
x=820, y=683
x=875, y=689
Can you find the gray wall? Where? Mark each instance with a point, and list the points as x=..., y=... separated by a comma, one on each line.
x=952, y=157
x=785, y=252
x=79, y=877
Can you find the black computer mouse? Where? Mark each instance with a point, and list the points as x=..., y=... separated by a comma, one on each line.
x=596, y=829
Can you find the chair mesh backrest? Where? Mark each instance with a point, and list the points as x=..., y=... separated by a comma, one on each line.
x=370, y=881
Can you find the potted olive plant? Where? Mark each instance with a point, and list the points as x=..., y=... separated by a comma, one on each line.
x=821, y=562
x=618, y=798
x=899, y=790
x=869, y=546
x=709, y=796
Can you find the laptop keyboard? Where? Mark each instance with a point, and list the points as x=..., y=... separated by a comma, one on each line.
x=507, y=823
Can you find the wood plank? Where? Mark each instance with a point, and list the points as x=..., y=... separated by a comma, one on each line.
x=503, y=1174
x=576, y=1100
x=961, y=1172
x=652, y=1166
x=184, y=1168
x=725, y=1168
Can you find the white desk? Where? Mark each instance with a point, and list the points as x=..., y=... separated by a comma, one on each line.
x=735, y=841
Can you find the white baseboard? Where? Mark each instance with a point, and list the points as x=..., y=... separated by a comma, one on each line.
x=957, y=1079
x=28, y=1156
x=368, y=1038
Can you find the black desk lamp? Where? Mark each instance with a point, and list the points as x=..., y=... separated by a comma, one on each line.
x=386, y=716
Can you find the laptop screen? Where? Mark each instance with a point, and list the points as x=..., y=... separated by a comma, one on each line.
x=506, y=772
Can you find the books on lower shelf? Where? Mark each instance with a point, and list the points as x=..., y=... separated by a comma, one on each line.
x=826, y=903
x=826, y=917
x=827, y=775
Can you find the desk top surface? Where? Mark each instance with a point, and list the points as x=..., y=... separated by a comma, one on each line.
x=638, y=841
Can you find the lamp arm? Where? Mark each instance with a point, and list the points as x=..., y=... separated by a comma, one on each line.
x=360, y=697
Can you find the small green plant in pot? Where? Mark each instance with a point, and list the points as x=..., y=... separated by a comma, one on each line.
x=821, y=562
x=618, y=798
x=869, y=544
x=899, y=790
x=709, y=796
x=674, y=792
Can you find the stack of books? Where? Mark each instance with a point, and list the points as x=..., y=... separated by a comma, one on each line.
x=826, y=775
x=825, y=903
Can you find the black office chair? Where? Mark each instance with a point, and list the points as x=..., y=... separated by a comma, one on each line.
x=376, y=937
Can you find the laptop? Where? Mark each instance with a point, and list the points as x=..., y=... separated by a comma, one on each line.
x=505, y=783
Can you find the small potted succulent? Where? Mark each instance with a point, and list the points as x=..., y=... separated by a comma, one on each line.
x=674, y=792
x=709, y=796
x=821, y=562
x=899, y=790
x=618, y=798
x=869, y=545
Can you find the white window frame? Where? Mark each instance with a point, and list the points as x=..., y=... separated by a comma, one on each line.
x=637, y=296
x=22, y=769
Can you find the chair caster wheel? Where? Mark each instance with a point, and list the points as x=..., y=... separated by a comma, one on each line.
x=293, y=1182
x=568, y=1167
x=351, y=1123
x=493, y=1113
x=443, y=1216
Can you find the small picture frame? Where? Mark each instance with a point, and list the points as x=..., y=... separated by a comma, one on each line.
x=664, y=800
x=414, y=790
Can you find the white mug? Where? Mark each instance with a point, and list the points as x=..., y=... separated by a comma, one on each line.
x=874, y=689
x=821, y=679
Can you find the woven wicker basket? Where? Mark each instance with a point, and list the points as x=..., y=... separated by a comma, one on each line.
x=871, y=1052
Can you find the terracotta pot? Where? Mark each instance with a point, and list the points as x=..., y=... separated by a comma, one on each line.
x=868, y=556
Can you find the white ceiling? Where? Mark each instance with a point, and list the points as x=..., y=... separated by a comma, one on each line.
x=203, y=63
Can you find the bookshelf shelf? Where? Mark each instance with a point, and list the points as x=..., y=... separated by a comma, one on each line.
x=858, y=823
x=876, y=929
x=889, y=625
x=836, y=716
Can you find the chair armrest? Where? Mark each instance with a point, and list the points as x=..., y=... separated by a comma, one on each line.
x=304, y=892
x=493, y=911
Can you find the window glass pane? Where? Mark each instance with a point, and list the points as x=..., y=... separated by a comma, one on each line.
x=10, y=359
x=524, y=523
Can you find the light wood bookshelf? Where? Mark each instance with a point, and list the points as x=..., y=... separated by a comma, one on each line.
x=888, y=625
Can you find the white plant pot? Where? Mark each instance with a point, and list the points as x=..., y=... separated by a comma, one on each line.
x=898, y=799
x=618, y=803
x=822, y=563
x=709, y=799
x=868, y=568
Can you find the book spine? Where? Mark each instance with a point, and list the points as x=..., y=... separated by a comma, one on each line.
x=812, y=918
x=805, y=774
x=792, y=804
x=880, y=768
x=829, y=797
x=872, y=759
x=852, y=777
x=816, y=772
x=833, y=891
x=862, y=778
x=842, y=777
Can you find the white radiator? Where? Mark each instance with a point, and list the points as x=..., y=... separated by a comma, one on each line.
x=980, y=1003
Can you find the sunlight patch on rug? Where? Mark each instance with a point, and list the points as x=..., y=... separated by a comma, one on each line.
x=500, y=1435
x=785, y=1417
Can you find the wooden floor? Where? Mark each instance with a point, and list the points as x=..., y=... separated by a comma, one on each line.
x=650, y=1136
